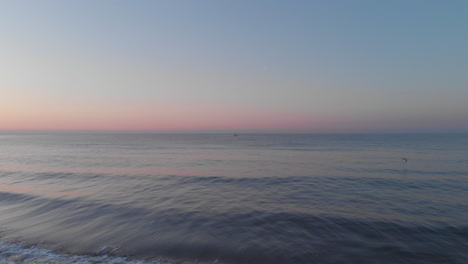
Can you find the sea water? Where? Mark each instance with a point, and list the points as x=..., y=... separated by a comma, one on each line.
x=219, y=198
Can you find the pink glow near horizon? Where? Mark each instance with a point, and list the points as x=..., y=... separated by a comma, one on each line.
x=159, y=119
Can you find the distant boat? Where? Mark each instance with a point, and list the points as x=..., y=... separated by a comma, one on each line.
x=236, y=135
x=405, y=159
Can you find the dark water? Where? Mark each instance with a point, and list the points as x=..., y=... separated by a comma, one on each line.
x=139, y=198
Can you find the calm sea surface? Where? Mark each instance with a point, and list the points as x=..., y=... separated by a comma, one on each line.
x=252, y=198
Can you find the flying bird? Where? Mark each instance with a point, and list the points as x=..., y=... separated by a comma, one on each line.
x=405, y=159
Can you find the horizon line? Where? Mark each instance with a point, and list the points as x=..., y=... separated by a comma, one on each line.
x=220, y=131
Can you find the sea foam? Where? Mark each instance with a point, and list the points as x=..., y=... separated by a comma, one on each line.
x=11, y=253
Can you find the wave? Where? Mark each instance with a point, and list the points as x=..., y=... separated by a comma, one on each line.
x=405, y=171
x=83, y=226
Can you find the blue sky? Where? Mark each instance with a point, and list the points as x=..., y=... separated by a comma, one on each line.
x=325, y=66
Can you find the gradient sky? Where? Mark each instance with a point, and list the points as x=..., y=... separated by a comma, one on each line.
x=315, y=66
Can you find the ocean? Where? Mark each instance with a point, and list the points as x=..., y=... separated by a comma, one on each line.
x=219, y=198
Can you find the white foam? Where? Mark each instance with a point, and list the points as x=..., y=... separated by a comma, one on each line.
x=13, y=253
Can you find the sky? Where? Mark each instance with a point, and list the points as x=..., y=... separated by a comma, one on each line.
x=246, y=65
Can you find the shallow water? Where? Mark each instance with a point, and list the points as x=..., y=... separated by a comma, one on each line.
x=254, y=198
